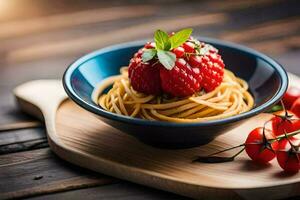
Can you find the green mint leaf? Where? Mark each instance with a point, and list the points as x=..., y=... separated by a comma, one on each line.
x=162, y=41
x=180, y=37
x=148, y=54
x=166, y=58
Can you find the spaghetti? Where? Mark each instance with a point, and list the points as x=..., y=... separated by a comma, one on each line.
x=230, y=98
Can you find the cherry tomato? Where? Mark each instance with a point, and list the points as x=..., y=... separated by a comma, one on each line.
x=150, y=45
x=282, y=124
x=288, y=155
x=189, y=47
x=258, y=148
x=290, y=96
x=179, y=52
x=195, y=61
x=296, y=107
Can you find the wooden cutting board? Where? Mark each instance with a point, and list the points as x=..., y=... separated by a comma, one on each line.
x=81, y=138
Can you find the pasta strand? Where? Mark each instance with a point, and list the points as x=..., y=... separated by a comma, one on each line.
x=230, y=98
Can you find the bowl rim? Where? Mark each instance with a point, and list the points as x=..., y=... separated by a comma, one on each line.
x=113, y=116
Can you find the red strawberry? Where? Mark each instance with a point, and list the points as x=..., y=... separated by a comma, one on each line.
x=210, y=63
x=182, y=80
x=150, y=45
x=195, y=61
x=211, y=68
x=179, y=52
x=138, y=54
x=197, y=65
x=189, y=47
x=144, y=77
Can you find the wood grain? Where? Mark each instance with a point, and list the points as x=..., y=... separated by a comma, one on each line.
x=52, y=44
x=20, y=125
x=90, y=42
x=262, y=31
x=81, y=138
x=23, y=146
x=278, y=45
x=61, y=21
x=42, y=172
x=240, y=4
x=119, y=191
x=11, y=137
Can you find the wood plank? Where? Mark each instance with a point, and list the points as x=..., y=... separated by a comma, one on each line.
x=262, y=14
x=240, y=4
x=18, y=136
x=90, y=42
x=18, y=9
x=23, y=146
x=59, y=186
x=21, y=158
x=236, y=22
x=277, y=46
x=9, y=113
x=42, y=173
x=20, y=125
x=66, y=20
x=263, y=31
x=33, y=9
x=120, y=191
x=290, y=61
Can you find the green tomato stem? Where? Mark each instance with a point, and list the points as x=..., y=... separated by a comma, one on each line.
x=285, y=136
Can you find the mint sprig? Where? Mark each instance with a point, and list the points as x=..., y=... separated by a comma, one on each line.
x=166, y=58
x=162, y=40
x=163, y=46
x=180, y=37
x=148, y=54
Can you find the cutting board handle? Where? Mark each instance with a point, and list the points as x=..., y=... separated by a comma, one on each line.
x=45, y=94
x=41, y=98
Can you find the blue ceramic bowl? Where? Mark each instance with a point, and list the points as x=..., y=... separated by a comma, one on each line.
x=267, y=80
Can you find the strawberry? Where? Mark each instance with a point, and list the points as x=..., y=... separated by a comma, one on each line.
x=144, y=77
x=176, y=64
x=211, y=67
x=150, y=45
x=212, y=72
x=189, y=47
x=182, y=80
x=179, y=52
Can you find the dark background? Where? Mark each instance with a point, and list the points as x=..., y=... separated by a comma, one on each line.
x=39, y=38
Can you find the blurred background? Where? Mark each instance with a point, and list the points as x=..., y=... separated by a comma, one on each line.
x=40, y=38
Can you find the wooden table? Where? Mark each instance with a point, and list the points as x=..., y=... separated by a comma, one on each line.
x=39, y=38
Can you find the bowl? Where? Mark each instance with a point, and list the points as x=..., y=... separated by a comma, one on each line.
x=267, y=81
